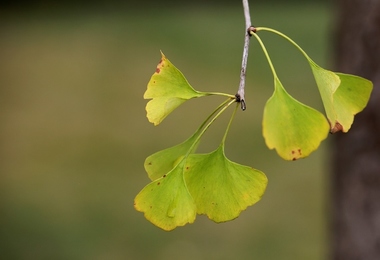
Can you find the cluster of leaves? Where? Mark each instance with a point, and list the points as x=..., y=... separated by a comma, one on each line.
x=185, y=183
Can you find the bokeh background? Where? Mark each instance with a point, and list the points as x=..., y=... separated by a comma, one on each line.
x=74, y=133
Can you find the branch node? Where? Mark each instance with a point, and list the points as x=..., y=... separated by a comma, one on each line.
x=251, y=30
x=241, y=101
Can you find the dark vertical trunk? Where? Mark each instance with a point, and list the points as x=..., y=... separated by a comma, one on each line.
x=356, y=176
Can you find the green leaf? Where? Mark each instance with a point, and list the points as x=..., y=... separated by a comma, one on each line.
x=168, y=89
x=166, y=202
x=343, y=96
x=162, y=162
x=221, y=188
x=292, y=128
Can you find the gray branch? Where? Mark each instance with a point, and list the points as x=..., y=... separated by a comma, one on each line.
x=240, y=94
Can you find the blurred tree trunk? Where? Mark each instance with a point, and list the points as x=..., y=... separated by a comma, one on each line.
x=356, y=176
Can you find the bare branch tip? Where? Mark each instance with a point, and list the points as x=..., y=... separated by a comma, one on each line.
x=241, y=101
x=242, y=105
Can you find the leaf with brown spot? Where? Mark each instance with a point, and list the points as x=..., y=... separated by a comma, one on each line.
x=343, y=96
x=292, y=128
x=168, y=89
x=162, y=162
x=166, y=202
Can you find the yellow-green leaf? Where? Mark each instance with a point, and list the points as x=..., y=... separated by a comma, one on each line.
x=166, y=202
x=343, y=96
x=162, y=162
x=221, y=188
x=292, y=128
x=168, y=89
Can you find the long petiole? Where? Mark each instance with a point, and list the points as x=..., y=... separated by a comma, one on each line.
x=204, y=126
x=266, y=55
x=285, y=37
x=221, y=109
x=219, y=94
x=213, y=113
x=229, y=125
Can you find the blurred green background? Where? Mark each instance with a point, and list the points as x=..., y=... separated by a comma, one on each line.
x=74, y=133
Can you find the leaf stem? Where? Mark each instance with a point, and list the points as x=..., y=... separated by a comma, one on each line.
x=213, y=113
x=221, y=109
x=266, y=55
x=219, y=94
x=240, y=95
x=287, y=38
x=229, y=125
x=204, y=126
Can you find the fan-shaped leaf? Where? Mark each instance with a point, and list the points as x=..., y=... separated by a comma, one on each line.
x=221, y=188
x=168, y=89
x=166, y=202
x=292, y=128
x=343, y=96
x=162, y=162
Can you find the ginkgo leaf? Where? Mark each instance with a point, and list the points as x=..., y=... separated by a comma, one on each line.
x=221, y=188
x=343, y=96
x=292, y=128
x=166, y=202
x=168, y=89
x=160, y=163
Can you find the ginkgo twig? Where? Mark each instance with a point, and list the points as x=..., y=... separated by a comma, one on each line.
x=240, y=97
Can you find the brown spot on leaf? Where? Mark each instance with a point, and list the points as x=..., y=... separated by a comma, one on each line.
x=149, y=163
x=158, y=183
x=158, y=70
x=296, y=154
x=164, y=175
x=336, y=128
